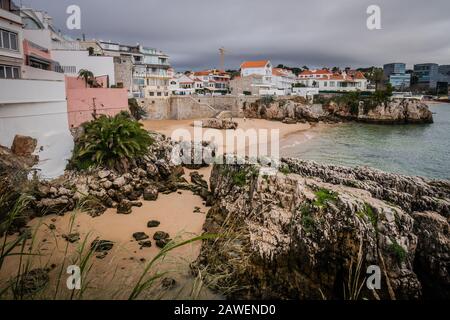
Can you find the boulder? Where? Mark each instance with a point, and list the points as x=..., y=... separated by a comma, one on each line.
x=124, y=207
x=23, y=145
x=138, y=236
x=153, y=224
x=150, y=193
x=160, y=235
x=221, y=124
x=103, y=174
x=119, y=182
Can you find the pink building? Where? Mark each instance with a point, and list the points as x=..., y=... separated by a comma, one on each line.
x=83, y=102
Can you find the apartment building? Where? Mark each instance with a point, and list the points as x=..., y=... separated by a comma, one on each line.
x=283, y=80
x=260, y=73
x=326, y=80
x=213, y=81
x=309, y=78
x=183, y=85
x=11, y=38
x=33, y=96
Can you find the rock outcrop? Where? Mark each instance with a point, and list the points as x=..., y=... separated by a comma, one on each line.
x=284, y=110
x=397, y=111
x=101, y=188
x=312, y=231
x=221, y=124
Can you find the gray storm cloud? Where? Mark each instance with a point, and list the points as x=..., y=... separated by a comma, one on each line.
x=291, y=32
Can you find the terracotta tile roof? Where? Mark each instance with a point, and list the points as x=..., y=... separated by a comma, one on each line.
x=201, y=73
x=254, y=64
x=315, y=72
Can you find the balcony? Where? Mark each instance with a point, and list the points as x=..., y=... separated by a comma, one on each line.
x=67, y=45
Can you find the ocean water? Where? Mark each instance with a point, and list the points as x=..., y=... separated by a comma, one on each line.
x=420, y=150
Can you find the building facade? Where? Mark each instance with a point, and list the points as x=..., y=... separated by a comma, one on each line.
x=33, y=97
x=283, y=80
x=182, y=85
x=396, y=75
x=261, y=73
x=213, y=82
x=11, y=39
x=427, y=75
x=325, y=80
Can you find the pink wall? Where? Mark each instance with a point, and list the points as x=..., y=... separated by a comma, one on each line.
x=29, y=49
x=102, y=80
x=80, y=101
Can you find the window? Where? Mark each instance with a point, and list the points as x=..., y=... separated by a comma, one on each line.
x=8, y=40
x=332, y=84
x=9, y=72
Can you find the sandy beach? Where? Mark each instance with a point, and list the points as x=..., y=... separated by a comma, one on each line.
x=181, y=214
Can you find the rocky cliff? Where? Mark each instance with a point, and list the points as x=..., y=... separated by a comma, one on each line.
x=311, y=231
x=397, y=111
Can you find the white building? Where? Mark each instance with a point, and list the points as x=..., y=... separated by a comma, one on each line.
x=283, y=80
x=182, y=85
x=73, y=58
x=11, y=38
x=213, y=81
x=261, y=72
x=326, y=80
x=32, y=99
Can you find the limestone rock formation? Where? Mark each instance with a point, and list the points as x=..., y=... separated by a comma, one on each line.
x=397, y=111
x=311, y=231
x=221, y=124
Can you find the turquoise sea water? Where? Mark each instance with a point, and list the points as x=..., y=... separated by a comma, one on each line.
x=422, y=150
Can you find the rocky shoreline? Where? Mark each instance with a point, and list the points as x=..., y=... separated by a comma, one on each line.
x=396, y=111
x=311, y=231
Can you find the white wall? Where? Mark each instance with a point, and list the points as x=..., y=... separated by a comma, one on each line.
x=98, y=65
x=39, y=74
x=259, y=71
x=304, y=92
x=37, y=109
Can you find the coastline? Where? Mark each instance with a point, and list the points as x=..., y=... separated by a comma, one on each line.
x=124, y=264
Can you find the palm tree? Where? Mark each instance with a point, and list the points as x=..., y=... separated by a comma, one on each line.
x=87, y=75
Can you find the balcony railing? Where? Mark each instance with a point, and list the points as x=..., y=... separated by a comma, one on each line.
x=66, y=45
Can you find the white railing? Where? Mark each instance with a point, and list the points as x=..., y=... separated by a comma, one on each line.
x=66, y=45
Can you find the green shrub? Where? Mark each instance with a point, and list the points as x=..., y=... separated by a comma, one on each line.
x=307, y=220
x=323, y=196
x=370, y=214
x=285, y=169
x=398, y=251
x=111, y=142
x=239, y=178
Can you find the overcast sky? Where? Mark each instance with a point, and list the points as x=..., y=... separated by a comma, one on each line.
x=292, y=32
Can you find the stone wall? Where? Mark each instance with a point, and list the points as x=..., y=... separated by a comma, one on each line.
x=123, y=67
x=194, y=107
